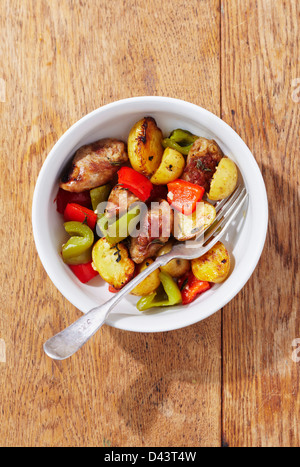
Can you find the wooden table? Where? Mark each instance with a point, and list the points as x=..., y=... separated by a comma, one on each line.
x=231, y=380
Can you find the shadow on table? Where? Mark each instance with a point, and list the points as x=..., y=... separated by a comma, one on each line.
x=175, y=366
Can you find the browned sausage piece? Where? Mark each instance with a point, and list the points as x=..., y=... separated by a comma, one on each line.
x=156, y=228
x=119, y=201
x=94, y=165
x=203, y=159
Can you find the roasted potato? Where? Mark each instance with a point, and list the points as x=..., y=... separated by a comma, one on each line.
x=214, y=266
x=187, y=227
x=171, y=167
x=149, y=284
x=176, y=267
x=112, y=263
x=144, y=147
x=224, y=180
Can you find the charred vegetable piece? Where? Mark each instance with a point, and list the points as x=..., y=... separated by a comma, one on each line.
x=148, y=285
x=180, y=140
x=84, y=272
x=224, y=180
x=84, y=258
x=145, y=148
x=171, y=167
x=113, y=263
x=75, y=212
x=64, y=197
x=99, y=195
x=121, y=228
x=136, y=182
x=214, y=266
x=184, y=196
x=168, y=294
x=191, y=287
x=82, y=238
x=183, y=137
x=176, y=267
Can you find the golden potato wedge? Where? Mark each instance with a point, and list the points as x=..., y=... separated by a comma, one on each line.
x=187, y=227
x=176, y=267
x=145, y=148
x=214, y=266
x=171, y=167
x=149, y=284
x=112, y=263
x=224, y=180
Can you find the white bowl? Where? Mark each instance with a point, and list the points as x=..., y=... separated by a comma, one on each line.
x=245, y=239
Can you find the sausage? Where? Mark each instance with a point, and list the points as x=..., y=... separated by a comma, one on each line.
x=202, y=161
x=94, y=165
x=119, y=201
x=155, y=231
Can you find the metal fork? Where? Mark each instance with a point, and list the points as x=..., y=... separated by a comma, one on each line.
x=67, y=342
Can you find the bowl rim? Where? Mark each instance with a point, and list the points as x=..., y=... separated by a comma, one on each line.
x=261, y=228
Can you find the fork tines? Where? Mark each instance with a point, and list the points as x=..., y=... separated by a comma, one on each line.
x=226, y=211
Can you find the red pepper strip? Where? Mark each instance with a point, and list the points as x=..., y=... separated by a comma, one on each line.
x=137, y=183
x=191, y=287
x=64, y=197
x=184, y=196
x=112, y=289
x=75, y=212
x=84, y=272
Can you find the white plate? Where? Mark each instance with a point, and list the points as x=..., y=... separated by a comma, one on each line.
x=245, y=239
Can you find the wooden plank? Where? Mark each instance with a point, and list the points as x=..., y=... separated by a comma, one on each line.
x=260, y=63
x=62, y=59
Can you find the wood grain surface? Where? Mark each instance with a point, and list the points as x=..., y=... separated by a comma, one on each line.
x=231, y=380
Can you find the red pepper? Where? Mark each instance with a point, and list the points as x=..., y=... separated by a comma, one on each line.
x=64, y=197
x=191, y=287
x=75, y=212
x=137, y=183
x=84, y=272
x=159, y=191
x=184, y=196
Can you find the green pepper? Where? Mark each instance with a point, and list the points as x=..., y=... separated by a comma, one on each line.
x=121, y=228
x=167, y=294
x=99, y=195
x=183, y=137
x=81, y=240
x=84, y=258
x=180, y=140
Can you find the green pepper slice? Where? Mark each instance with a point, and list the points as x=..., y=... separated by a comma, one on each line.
x=180, y=140
x=167, y=294
x=99, y=195
x=84, y=258
x=121, y=228
x=82, y=239
x=183, y=137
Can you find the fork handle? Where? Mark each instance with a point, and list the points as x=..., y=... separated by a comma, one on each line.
x=67, y=342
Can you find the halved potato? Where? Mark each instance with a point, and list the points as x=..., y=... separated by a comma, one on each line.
x=171, y=167
x=224, y=180
x=176, y=267
x=145, y=148
x=188, y=227
x=214, y=266
x=112, y=263
x=148, y=285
